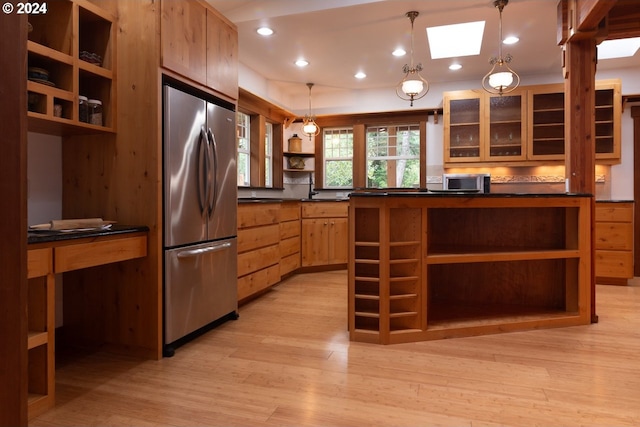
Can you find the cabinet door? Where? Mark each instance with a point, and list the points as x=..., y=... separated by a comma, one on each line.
x=338, y=250
x=222, y=56
x=608, y=120
x=505, y=140
x=463, y=128
x=315, y=242
x=183, y=34
x=546, y=118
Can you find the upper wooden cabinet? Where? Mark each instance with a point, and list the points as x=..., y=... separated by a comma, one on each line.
x=523, y=127
x=183, y=38
x=480, y=127
x=200, y=44
x=71, y=53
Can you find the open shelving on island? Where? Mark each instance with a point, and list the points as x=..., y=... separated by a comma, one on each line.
x=436, y=266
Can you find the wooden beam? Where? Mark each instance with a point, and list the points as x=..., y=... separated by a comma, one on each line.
x=624, y=20
x=13, y=222
x=589, y=13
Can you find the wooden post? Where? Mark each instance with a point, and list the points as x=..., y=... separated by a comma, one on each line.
x=13, y=222
x=580, y=72
x=635, y=113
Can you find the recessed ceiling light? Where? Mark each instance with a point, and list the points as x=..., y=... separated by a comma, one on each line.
x=511, y=40
x=302, y=62
x=264, y=31
x=399, y=52
x=360, y=75
x=452, y=41
x=454, y=67
x=621, y=48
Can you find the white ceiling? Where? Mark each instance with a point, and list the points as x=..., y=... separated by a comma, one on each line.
x=342, y=37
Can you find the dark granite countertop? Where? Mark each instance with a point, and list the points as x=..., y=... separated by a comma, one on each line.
x=243, y=200
x=614, y=201
x=463, y=194
x=56, y=236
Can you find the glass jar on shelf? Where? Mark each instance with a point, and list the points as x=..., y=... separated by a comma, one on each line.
x=95, y=112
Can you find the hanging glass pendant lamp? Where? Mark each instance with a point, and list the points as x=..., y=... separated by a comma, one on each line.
x=501, y=79
x=413, y=86
x=309, y=126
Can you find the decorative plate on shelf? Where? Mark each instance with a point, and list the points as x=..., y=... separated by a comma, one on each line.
x=44, y=82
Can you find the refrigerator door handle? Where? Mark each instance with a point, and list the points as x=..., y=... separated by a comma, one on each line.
x=213, y=200
x=203, y=170
x=197, y=252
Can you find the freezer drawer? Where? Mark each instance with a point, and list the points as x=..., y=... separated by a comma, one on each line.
x=200, y=286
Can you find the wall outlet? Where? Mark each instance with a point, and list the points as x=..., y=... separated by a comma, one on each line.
x=253, y=194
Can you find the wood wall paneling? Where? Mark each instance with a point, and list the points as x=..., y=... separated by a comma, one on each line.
x=119, y=177
x=13, y=223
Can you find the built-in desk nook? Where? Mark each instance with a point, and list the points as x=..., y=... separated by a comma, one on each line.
x=426, y=266
x=50, y=253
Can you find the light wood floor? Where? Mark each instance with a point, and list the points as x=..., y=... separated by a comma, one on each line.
x=288, y=361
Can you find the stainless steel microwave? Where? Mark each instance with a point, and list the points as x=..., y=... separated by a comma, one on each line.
x=467, y=181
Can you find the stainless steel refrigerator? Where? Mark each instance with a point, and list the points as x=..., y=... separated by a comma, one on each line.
x=200, y=207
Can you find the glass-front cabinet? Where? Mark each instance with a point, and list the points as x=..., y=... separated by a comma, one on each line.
x=463, y=126
x=507, y=130
x=546, y=112
x=479, y=127
x=524, y=126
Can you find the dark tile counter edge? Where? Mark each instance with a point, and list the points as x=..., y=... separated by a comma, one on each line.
x=56, y=236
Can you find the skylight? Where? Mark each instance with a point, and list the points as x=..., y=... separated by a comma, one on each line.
x=621, y=48
x=452, y=41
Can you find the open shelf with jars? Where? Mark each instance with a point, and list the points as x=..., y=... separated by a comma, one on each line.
x=71, y=54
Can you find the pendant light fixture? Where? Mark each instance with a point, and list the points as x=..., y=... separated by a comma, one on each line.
x=309, y=126
x=501, y=79
x=413, y=86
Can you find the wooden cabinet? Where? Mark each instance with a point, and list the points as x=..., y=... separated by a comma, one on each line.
x=289, y=237
x=71, y=53
x=524, y=127
x=41, y=338
x=432, y=267
x=480, y=127
x=200, y=44
x=258, y=247
x=324, y=233
x=546, y=115
x=183, y=38
x=44, y=260
x=614, y=242
x=222, y=54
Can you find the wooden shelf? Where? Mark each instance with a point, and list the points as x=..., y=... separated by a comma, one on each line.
x=69, y=27
x=513, y=277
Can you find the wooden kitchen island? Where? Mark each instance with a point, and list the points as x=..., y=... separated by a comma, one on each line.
x=426, y=265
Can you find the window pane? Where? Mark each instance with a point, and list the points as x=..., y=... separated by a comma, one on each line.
x=338, y=157
x=243, y=132
x=393, y=156
x=268, y=155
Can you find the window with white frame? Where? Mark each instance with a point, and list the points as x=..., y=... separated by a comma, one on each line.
x=338, y=158
x=268, y=156
x=393, y=156
x=243, y=128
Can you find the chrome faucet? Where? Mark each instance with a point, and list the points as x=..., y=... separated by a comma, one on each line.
x=311, y=192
